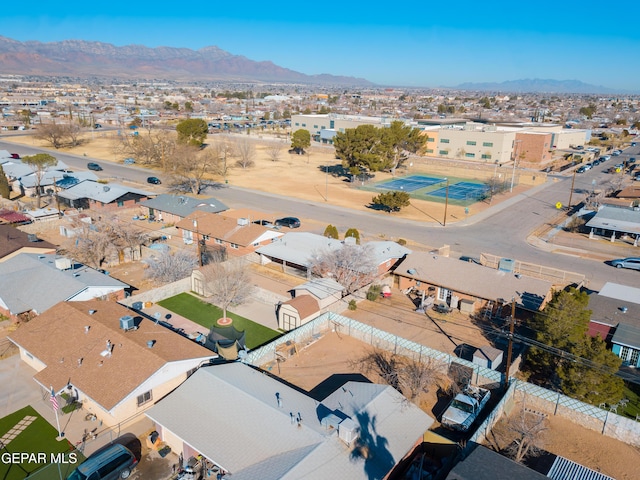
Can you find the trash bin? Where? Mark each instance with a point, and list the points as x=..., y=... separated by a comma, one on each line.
x=137, y=305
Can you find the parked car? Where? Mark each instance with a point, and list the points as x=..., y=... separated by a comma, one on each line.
x=15, y=155
x=129, y=161
x=582, y=169
x=630, y=262
x=465, y=408
x=264, y=223
x=291, y=222
x=94, y=166
x=154, y=180
x=111, y=463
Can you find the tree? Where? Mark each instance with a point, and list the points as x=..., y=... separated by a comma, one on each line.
x=352, y=232
x=578, y=364
x=169, y=267
x=331, y=232
x=227, y=284
x=588, y=111
x=352, y=266
x=403, y=139
x=52, y=133
x=192, y=131
x=528, y=429
x=246, y=152
x=5, y=188
x=191, y=166
x=274, y=150
x=392, y=201
x=39, y=164
x=300, y=140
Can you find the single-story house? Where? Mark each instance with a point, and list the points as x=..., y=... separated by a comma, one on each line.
x=237, y=236
x=615, y=316
x=485, y=464
x=11, y=217
x=173, y=208
x=114, y=364
x=467, y=285
x=32, y=283
x=296, y=312
x=613, y=221
x=101, y=196
x=297, y=250
x=14, y=241
x=252, y=426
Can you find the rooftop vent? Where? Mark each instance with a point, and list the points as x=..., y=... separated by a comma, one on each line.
x=87, y=328
x=106, y=188
x=91, y=312
x=126, y=322
x=150, y=343
x=63, y=263
x=243, y=221
x=32, y=237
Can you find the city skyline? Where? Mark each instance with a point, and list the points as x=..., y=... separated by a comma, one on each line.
x=419, y=45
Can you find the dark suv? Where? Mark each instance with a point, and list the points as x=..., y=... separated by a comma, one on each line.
x=94, y=166
x=291, y=222
x=111, y=463
x=154, y=180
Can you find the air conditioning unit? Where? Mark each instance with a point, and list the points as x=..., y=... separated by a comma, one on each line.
x=63, y=263
x=243, y=221
x=348, y=431
x=127, y=323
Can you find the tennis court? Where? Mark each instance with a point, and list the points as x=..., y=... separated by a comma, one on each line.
x=461, y=191
x=408, y=184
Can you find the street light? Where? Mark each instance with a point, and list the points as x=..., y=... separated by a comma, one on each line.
x=446, y=204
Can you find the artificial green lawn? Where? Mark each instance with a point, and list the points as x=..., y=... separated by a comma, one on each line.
x=38, y=437
x=205, y=314
x=632, y=393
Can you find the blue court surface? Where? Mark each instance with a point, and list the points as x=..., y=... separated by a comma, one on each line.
x=409, y=184
x=461, y=191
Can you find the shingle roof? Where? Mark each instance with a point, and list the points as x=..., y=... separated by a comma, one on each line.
x=12, y=240
x=305, y=305
x=226, y=228
x=59, y=339
x=627, y=335
x=183, y=205
x=472, y=279
x=615, y=218
x=30, y=281
x=246, y=421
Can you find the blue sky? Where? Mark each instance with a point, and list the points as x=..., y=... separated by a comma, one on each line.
x=410, y=43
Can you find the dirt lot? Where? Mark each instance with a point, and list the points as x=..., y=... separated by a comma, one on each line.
x=305, y=172
x=334, y=355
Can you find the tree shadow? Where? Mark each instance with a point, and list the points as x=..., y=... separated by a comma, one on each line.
x=372, y=448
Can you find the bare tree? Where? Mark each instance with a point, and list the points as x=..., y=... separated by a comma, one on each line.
x=274, y=150
x=91, y=245
x=126, y=236
x=52, y=133
x=73, y=132
x=225, y=151
x=383, y=363
x=227, y=284
x=191, y=166
x=352, y=266
x=529, y=430
x=154, y=148
x=417, y=377
x=246, y=151
x=170, y=267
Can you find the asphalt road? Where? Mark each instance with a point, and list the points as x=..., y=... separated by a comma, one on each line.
x=502, y=230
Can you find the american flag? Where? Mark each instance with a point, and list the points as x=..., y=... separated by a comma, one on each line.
x=54, y=400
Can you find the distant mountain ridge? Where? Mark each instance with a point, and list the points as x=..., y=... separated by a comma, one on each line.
x=95, y=59
x=537, y=85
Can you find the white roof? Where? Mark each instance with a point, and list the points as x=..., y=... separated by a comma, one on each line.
x=100, y=192
x=246, y=422
x=620, y=292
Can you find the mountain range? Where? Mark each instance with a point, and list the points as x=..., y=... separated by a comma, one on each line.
x=537, y=85
x=78, y=58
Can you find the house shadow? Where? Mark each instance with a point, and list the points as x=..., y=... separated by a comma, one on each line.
x=334, y=382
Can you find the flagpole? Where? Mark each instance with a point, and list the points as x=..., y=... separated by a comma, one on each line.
x=54, y=405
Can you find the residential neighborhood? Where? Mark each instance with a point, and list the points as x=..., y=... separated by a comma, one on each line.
x=267, y=310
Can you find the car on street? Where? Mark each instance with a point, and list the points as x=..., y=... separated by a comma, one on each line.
x=291, y=222
x=606, y=157
x=154, y=180
x=129, y=161
x=630, y=262
x=94, y=166
x=582, y=169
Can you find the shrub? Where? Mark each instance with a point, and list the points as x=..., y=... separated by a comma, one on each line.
x=352, y=305
x=331, y=232
x=352, y=232
x=374, y=292
x=402, y=241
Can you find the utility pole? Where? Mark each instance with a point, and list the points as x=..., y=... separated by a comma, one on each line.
x=573, y=180
x=510, y=348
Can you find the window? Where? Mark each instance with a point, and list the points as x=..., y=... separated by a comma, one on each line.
x=315, y=126
x=444, y=152
x=218, y=241
x=429, y=139
x=470, y=155
x=471, y=142
x=429, y=150
x=331, y=123
x=120, y=203
x=144, y=398
x=487, y=144
x=297, y=124
x=486, y=156
x=443, y=293
x=304, y=124
x=444, y=140
x=205, y=237
x=633, y=360
x=256, y=244
x=234, y=245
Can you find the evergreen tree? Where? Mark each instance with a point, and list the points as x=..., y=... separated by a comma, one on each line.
x=5, y=189
x=352, y=232
x=331, y=232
